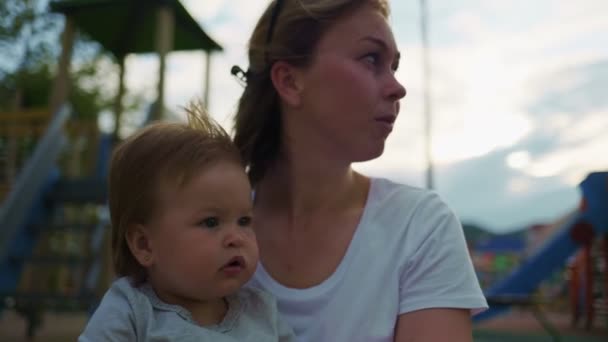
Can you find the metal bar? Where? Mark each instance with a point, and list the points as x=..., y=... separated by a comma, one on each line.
x=426, y=77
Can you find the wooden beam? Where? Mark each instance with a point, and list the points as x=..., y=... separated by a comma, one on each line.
x=118, y=108
x=38, y=114
x=60, y=90
x=164, y=43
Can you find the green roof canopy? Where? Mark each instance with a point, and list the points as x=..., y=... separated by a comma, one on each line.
x=129, y=26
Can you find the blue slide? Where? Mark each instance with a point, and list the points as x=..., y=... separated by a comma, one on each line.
x=591, y=220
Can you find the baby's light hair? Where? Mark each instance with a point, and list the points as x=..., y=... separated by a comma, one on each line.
x=200, y=119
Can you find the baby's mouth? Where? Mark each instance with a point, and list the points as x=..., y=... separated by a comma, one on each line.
x=235, y=264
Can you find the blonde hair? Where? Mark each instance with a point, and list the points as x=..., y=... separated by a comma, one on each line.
x=162, y=153
x=293, y=36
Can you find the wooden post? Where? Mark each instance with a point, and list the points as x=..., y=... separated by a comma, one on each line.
x=165, y=27
x=118, y=108
x=574, y=289
x=605, y=276
x=107, y=274
x=12, y=145
x=59, y=92
x=589, y=312
x=207, y=79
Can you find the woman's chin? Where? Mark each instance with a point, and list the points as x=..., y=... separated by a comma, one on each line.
x=371, y=152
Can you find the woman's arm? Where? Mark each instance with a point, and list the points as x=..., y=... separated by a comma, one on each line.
x=432, y=325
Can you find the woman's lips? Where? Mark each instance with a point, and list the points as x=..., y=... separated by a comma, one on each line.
x=386, y=122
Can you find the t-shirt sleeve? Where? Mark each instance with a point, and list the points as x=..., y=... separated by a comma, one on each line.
x=113, y=320
x=438, y=273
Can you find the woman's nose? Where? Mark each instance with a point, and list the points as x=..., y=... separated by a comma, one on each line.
x=396, y=90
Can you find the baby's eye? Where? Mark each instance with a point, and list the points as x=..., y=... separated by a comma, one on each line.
x=210, y=222
x=244, y=221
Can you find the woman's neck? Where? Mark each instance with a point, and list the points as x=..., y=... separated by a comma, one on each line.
x=304, y=187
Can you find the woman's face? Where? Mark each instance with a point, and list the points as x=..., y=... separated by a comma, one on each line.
x=350, y=97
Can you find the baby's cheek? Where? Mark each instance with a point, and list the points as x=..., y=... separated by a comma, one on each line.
x=250, y=234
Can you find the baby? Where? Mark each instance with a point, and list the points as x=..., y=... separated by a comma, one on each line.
x=182, y=241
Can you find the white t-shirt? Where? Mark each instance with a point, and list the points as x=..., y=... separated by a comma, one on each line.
x=407, y=253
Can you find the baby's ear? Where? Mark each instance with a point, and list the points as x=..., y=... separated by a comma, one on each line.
x=138, y=239
x=285, y=78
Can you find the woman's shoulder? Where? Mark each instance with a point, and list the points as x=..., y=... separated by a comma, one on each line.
x=407, y=218
x=403, y=212
x=386, y=193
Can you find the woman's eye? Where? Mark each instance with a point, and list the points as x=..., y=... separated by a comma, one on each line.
x=210, y=222
x=371, y=58
x=395, y=67
x=244, y=221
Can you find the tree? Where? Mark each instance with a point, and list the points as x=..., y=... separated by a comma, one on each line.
x=23, y=27
x=29, y=34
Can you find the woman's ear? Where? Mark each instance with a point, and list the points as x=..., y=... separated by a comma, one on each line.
x=138, y=239
x=286, y=80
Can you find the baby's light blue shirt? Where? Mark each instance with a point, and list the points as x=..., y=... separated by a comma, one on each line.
x=129, y=313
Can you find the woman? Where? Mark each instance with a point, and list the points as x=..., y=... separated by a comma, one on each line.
x=349, y=258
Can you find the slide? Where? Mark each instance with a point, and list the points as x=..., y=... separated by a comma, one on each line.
x=589, y=221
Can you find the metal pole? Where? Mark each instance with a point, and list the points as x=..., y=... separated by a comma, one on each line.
x=207, y=79
x=426, y=79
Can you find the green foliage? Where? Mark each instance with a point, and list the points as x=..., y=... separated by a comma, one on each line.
x=30, y=41
x=27, y=33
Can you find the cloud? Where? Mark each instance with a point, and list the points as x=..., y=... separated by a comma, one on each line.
x=570, y=119
x=571, y=113
x=580, y=88
x=488, y=192
x=204, y=11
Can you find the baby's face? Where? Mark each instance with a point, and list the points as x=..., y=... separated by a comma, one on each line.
x=201, y=238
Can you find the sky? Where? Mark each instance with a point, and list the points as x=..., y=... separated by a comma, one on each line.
x=518, y=89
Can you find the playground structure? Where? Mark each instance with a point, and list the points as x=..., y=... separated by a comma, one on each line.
x=50, y=258
x=137, y=26
x=54, y=240
x=588, y=283
x=574, y=239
